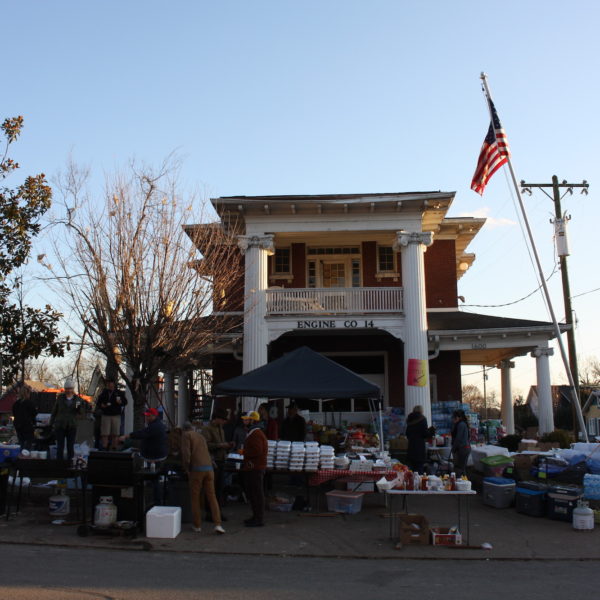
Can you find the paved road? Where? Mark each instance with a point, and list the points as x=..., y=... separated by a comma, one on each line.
x=50, y=573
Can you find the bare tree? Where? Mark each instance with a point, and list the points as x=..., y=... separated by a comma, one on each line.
x=129, y=267
x=487, y=407
x=589, y=372
x=54, y=371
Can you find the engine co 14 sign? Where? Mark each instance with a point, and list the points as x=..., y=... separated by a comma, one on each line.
x=336, y=324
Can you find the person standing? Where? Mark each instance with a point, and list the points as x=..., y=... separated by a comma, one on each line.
x=24, y=412
x=417, y=432
x=219, y=448
x=111, y=402
x=254, y=467
x=153, y=436
x=154, y=448
x=293, y=427
x=197, y=463
x=461, y=446
x=269, y=425
x=67, y=408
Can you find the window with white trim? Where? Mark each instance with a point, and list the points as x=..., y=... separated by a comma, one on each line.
x=386, y=259
x=282, y=261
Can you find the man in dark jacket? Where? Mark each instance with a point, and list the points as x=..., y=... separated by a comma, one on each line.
x=417, y=432
x=24, y=413
x=155, y=447
x=63, y=419
x=293, y=427
x=154, y=437
x=111, y=402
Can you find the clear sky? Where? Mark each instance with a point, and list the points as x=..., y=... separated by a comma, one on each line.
x=331, y=96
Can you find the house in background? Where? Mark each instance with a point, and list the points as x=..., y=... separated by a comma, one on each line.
x=371, y=281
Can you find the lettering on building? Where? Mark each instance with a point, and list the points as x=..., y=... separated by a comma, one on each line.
x=332, y=324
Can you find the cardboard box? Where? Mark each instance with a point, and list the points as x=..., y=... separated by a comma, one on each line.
x=522, y=465
x=526, y=445
x=414, y=529
x=441, y=536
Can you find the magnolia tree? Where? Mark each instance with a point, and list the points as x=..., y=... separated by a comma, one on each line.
x=26, y=332
x=129, y=267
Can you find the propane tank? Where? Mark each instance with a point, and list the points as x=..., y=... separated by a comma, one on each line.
x=105, y=512
x=583, y=517
x=59, y=504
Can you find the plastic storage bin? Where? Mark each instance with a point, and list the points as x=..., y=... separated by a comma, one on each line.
x=561, y=501
x=163, y=522
x=498, y=492
x=531, y=498
x=495, y=466
x=341, y=501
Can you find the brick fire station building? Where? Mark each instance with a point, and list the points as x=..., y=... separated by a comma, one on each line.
x=371, y=281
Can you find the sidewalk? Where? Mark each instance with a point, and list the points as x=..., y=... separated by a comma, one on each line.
x=365, y=535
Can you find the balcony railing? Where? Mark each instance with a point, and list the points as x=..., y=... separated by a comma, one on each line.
x=314, y=301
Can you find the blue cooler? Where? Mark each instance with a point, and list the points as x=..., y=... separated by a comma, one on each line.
x=498, y=491
x=531, y=498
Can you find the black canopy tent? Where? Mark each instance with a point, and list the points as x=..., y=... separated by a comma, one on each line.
x=302, y=373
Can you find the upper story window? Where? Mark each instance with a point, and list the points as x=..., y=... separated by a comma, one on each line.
x=386, y=262
x=333, y=250
x=281, y=261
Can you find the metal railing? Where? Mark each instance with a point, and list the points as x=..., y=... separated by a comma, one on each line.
x=286, y=301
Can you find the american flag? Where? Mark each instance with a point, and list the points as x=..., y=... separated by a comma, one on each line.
x=494, y=153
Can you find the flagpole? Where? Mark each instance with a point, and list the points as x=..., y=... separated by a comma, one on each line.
x=557, y=330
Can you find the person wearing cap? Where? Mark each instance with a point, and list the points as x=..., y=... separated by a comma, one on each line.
x=254, y=467
x=219, y=448
x=111, y=402
x=153, y=436
x=197, y=463
x=63, y=420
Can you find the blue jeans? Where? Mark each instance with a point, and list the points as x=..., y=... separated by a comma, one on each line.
x=65, y=434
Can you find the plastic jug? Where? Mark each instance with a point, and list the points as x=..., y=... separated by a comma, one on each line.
x=59, y=504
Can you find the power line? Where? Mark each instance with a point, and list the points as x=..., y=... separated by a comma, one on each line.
x=520, y=299
x=584, y=293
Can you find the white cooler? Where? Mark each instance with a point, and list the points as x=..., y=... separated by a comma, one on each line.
x=163, y=522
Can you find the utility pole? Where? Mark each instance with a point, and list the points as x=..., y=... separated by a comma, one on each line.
x=485, y=407
x=559, y=222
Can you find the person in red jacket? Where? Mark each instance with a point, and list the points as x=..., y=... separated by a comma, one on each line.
x=254, y=467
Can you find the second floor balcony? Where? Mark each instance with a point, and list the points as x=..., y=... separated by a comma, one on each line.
x=334, y=301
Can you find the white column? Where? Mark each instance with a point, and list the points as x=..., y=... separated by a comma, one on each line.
x=416, y=366
x=256, y=249
x=507, y=411
x=169, y=396
x=183, y=395
x=544, y=390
